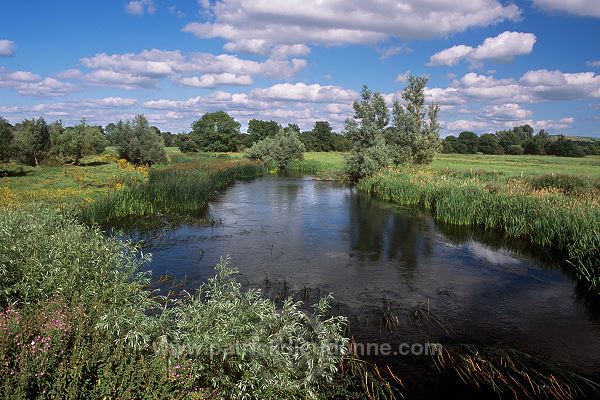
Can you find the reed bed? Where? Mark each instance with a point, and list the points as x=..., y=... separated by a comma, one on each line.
x=183, y=188
x=546, y=218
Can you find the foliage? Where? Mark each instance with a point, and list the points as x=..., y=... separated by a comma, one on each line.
x=216, y=131
x=74, y=143
x=565, y=148
x=515, y=149
x=32, y=141
x=414, y=135
x=77, y=322
x=259, y=130
x=138, y=142
x=279, y=150
x=187, y=144
x=368, y=153
x=489, y=144
x=470, y=141
x=6, y=140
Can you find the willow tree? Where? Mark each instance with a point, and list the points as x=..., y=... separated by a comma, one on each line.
x=415, y=133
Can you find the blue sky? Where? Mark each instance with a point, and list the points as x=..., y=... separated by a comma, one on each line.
x=491, y=64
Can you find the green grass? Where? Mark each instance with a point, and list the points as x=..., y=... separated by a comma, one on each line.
x=182, y=188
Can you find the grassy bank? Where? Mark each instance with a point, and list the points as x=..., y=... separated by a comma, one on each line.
x=182, y=188
x=549, y=216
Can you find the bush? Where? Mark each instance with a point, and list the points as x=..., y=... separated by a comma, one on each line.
x=515, y=150
x=565, y=183
x=77, y=322
x=139, y=143
x=279, y=150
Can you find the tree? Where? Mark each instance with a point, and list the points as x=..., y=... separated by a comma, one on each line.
x=323, y=135
x=139, y=143
x=368, y=153
x=186, y=144
x=216, y=131
x=6, y=140
x=451, y=144
x=515, y=150
x=74, y=143
x=489, y=144
x=415, y=133
x=470, y=141
x=258, y=129
x=565, y=148
x=279, y=150
x=32, y=141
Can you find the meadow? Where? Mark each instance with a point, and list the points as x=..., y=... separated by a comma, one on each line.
x=100, y=321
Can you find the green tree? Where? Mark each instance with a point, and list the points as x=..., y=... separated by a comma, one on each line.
x=415, y=130
x=323, y=135
x=6, y=140
x=216, y=131
x=32, y=141
x=279, y=150
x=451, y=144
x=74, y=143
x=186, y=144
x=470, y=141
x=368, y=153
x=258, y=129
x=139, y=143
x=515, y=150
x=489, y=144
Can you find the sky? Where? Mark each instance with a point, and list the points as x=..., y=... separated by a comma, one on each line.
x=491, y=64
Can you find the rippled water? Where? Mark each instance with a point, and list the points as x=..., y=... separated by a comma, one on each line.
x=313, y=237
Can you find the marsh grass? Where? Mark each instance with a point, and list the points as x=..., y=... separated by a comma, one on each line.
x=180, y=189
x=547, y=219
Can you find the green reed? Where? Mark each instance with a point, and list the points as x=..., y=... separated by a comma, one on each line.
x=547, y=219
x=184, y=188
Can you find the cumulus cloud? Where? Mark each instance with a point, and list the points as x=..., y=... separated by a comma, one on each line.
x=146, y=68
x=502, y=48
x=302, y=92
x=507, y=112
x=585, y=8
x=30, y=84
x=140, y=7
x=259, y=25
x=7, y=48
x=491, y=125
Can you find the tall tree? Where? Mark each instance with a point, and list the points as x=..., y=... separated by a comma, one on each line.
x=6, y=140
x=216, y=131
x=32, y=141
x=76, y=142
x=415, y=134
x=258, y=129
x=138, y=142
x=470, y=141
x=323, y=135
x=369, y=152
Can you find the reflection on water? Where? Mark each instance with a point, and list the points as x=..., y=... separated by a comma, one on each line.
x=309, y=234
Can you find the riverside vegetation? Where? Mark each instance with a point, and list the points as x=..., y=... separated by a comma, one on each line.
x=78, y=326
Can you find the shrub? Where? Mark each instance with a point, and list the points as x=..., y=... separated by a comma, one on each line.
x=138, y=142
x=565, y=183
x=515, y=150
x=279, y=150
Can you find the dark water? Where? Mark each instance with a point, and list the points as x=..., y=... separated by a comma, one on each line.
x=296, y=234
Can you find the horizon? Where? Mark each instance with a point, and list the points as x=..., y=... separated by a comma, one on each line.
x=491, y=64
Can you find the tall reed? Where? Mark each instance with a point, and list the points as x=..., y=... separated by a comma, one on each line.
x=184, y=188
x=568, y=225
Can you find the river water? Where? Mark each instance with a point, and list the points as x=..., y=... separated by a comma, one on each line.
x=442, y=284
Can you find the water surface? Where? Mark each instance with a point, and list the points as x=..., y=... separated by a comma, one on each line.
x=313, y=237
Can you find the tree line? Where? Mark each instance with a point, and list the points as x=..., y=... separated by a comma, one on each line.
x=519, y=140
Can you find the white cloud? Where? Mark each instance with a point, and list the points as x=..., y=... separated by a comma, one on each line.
x=507, y=111
x=585, y=8
x=214, y=80
x=148, y=67
x=502, y=48
x=402, y=77
x=392, y=51
x=594, y=64
x=261, y=24
x=29, y=84
x=307, y=93
x=7, y=48
x=139, y=7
